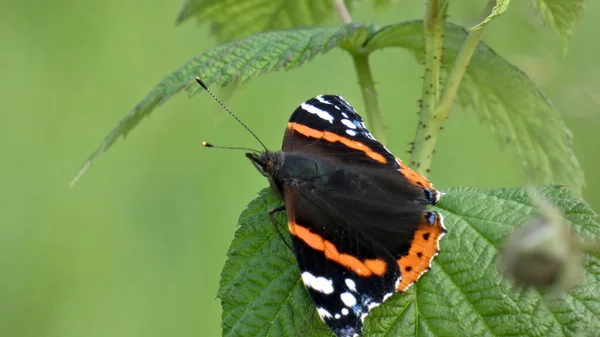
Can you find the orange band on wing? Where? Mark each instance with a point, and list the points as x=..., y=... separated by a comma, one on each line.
x=423, y=248
x=332, y=137
x=413, y=176
x=365, y=268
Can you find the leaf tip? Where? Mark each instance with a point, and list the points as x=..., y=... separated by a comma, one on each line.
x=80, y=173
x=476, y=27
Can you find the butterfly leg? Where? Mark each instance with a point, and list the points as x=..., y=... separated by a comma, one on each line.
x=276, y=226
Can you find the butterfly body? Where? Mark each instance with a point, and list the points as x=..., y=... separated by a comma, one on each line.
x=356, y=214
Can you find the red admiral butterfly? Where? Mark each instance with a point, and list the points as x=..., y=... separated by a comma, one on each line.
x=356, y=214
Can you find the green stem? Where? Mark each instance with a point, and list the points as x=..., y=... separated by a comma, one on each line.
x=434, y=21
x=460, y=67
x=367, y=87
x=434, y=115
x=365, y=78
x=342, y=10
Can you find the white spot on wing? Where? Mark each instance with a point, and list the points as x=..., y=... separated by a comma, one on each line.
x=345, y=312
x=441, y=217
x=438, y=194
x=348, y=123
x=373, y=305
x=322, y=100
x=345, y=115
x=348, y=299
x=350, y=284
x=323, y=313
x=316, y=111
x=320, y=284
x=351, y=132
x=346, y=103
x=337, y=316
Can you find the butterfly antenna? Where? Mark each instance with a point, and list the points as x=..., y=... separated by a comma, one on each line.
x=230, y=112
x=205, y=144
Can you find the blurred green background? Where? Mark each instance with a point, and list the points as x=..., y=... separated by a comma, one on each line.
x=136, y=247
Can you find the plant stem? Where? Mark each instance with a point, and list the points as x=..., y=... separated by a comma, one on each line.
x=367, y=87
x=365, y=78
x=434, y=22
x=342, y=10
x=432, y=118
x=460, y=67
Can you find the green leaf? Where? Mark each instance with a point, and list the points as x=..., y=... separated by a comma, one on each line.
x=260, y=289
x=463, y=295
x=562, y=16
x=354, y=44
x=237, y=61
x=500, y=7
x=505, y=99
x=235, y=19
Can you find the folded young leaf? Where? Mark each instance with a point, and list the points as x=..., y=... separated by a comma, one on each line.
x=505, y=99
x=562, y=16
x=236, y=61
x=463, y=295
x=234, y=19
x=500, y=7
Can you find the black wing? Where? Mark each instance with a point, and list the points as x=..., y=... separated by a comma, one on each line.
x=328, y=126
x=344, y=225
x=359, y=231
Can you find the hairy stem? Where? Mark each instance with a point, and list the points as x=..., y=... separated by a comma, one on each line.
x=367, y=87
x=342, y=10
x=460, y=67
x=433, y=117
x=434, y=22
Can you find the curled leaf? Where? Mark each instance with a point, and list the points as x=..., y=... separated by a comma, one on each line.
x=499, y=8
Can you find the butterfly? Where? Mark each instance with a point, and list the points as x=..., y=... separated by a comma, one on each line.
x=356, y=214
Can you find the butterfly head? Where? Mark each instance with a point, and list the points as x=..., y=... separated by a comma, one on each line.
x=265, y=162
x=268, y=164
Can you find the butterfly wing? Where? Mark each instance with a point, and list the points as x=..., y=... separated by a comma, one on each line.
x=342, y=231
x=343, y=283
x=327, y=125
